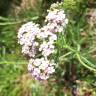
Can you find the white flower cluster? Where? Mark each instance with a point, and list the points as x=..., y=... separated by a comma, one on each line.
x=36, y=40
x=41, y=68
x=26, y=37
x=56, y=20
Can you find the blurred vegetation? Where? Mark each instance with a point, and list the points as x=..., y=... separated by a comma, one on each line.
x=14, y=78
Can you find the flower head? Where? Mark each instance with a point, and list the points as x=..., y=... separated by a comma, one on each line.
x=41, y=68
x=35, y=40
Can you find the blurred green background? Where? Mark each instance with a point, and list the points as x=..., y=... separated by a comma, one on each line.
x=14, y=77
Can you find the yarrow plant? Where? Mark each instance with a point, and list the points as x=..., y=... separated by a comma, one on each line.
x=39, y=43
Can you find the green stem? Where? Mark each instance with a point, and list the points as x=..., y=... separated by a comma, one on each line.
x=17, y=21
x=12, y=62
x=71, y=49
x=66, y=54
x=79, y=58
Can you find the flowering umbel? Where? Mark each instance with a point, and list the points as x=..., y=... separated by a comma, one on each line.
x=38, y=43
